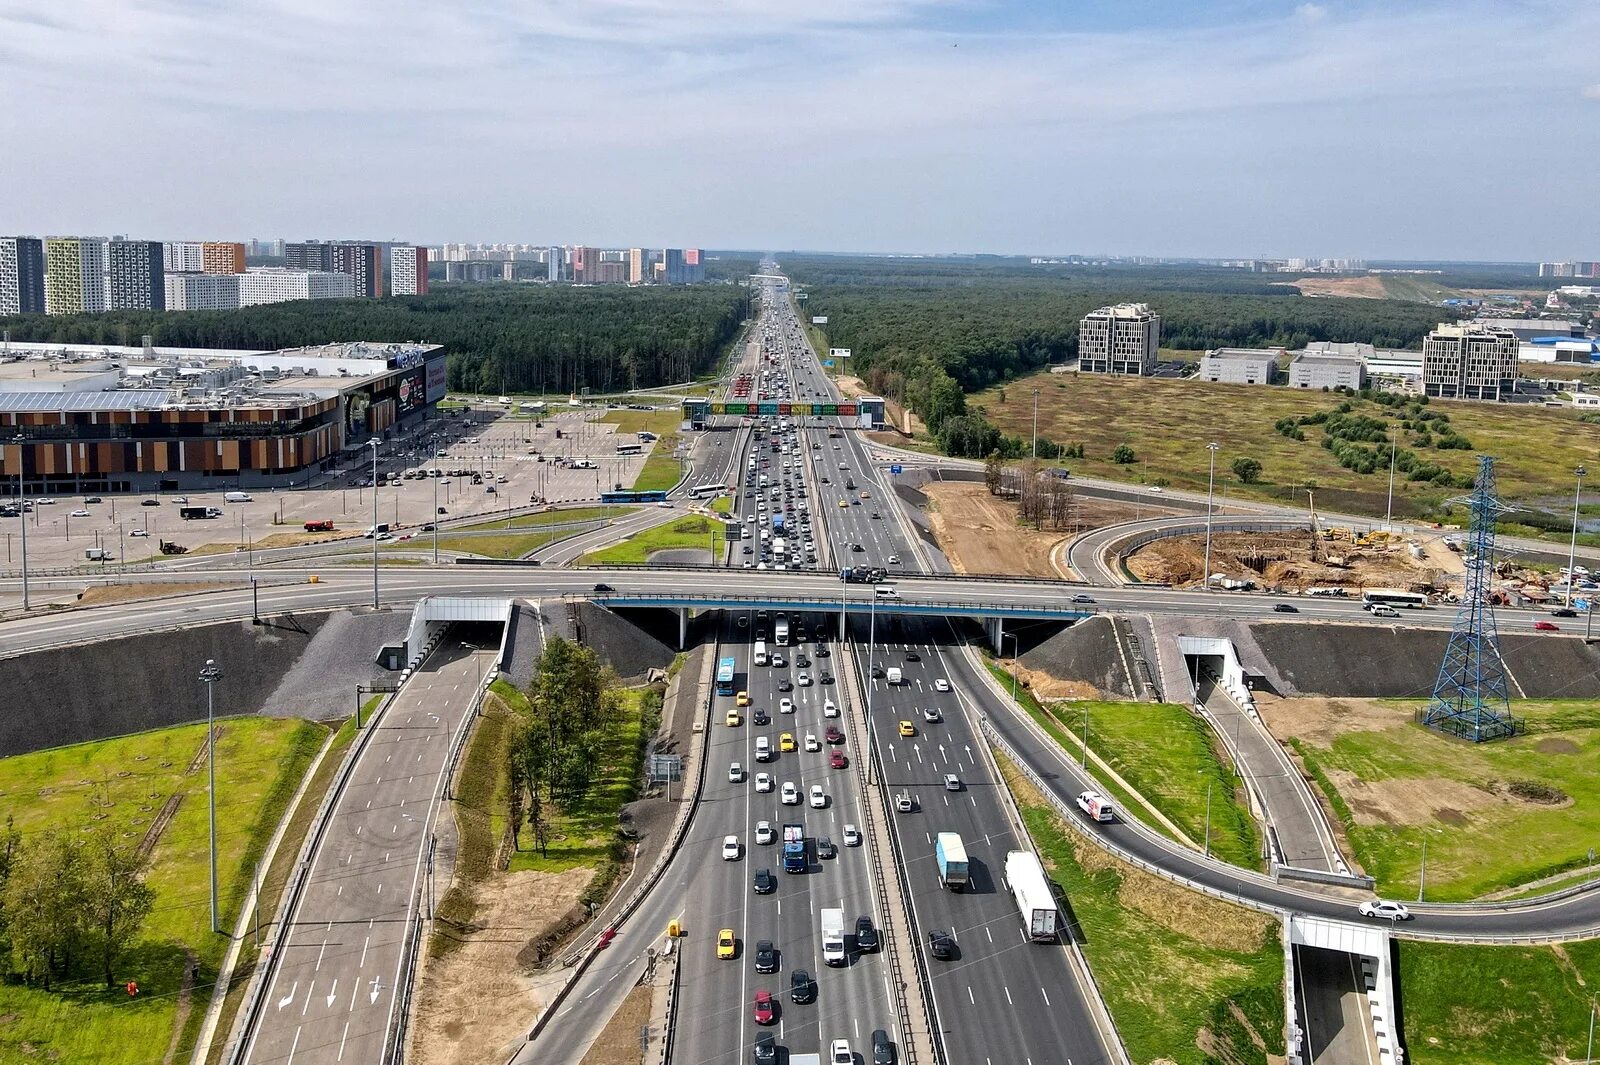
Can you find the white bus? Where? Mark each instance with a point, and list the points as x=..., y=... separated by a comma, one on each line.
x=761, y=652
x=1390, y=597
x=780, y=630
x=703, y=490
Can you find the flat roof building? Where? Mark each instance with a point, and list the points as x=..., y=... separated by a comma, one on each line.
x=21, y=275
x=1240, y=366
x=1122, y=340
x=408, y=270
x=202, y=292
x=1529, y=328
x=278, y=284
x=74, y=275
x=135, y=280
x=1469, y=362
x=1317, y=371
x=222, y=257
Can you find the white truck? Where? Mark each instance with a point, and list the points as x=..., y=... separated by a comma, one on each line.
x=895, y=675
x=833, y=937
x=1031, y=891
x=761, y=652
x=1097, y=806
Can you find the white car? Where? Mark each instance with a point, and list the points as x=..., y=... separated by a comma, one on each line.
x=818, y=799
x=894, y=560
x=764, y=833
x=1384, y=910
x=840, y=1054
x=941, y=685
x=830, y=708
x=778, y=660
x=730, y=848
x=852, y=836
x=79, y=513
x=930, y=714
x=139, y=532
x=763, y=782
x=812, y=743
x=735, y=773
x=786, y=705
x=804, y=680
x=791, y=794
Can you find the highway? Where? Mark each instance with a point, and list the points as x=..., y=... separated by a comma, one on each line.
x=331, y=993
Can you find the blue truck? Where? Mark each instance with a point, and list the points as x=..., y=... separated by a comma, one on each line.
x=794, y=848
x=777, y=525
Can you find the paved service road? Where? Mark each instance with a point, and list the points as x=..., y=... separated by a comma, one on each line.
x=331, y=994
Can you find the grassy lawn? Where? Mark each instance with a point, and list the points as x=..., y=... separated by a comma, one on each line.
x=509, y=545
x=660, y=470
x=1165, y=422
x=694, y=531
x=547, y=517
x=1469, y=1005
x=722, y=505
x=128, y=780
x=1395, y=785
x=660, y=422
x=1176, y=968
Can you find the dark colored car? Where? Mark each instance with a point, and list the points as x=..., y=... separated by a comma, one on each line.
x=836, y=759
x=941, y=946
x=765, y=1051
x=801, y=989
x=826, y=678
x=761, y=717
x=1285, y=608
x=825, y=847
x=883, y=1051
x=833, y=735
x=866, y=935
x=765, y=883
x=149, y=502
x=785, y=685
x=603, y=587
x=766, y=956
x=877, y=671
x=1563, y=612
x=822, y=651
x=912, y=656
x=802, y=661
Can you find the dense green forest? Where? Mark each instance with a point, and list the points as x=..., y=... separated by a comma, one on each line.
x=924, y=333
x=500, y=338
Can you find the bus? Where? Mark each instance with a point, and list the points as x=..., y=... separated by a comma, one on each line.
x=629, y=449
x=628, y=496
x=1390, y=597
x=702, y=490
x=780, y=630
x=725, y=676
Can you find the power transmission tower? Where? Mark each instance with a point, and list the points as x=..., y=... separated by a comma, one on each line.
x=1470, y=699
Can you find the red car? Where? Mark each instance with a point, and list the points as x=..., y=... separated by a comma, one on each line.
x=1546, y=626
x=833, y=735
x=766, y=1011
x=836, y=759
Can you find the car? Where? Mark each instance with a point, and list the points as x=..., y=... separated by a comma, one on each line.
x=940, y=945
x=735, y=773
x=766, y=956
x=825, y=678
x=851, y=835
x=730, y=848
x=804, y=680
x=839, y=1053
x=1384, y=909
x=761, y=717
x=726, y=944
x=907, y=728
x=139, y=532
x=765, y=833
x=79, y=513
x=802, y=661
x=1379, y=610
x=764, y=882
x=1546, y=626
x=763, y=782
x=812, y=744
x=883, y=1050
x=818, y=798
x=604, y=587
x=742, y=699
x=931, y=714
x=790, y=795
x=785, y=686
x=1081, y=597
x=777, y=660
x=857, y=547
x=1563, y=612
x=866, y=935
x=734, y=718
x=912, y=656
x=837, y=759
x=96, y=499
x=142, y=502
x=894, y=560
x=833, y=735
x=1285, y=608
x=801, y=989
x=904, y=803
x=941, y=685
x=822, y=651
x=842, y=503
x=825, y=847
x=786, y=706
x=785, y=742
x=952, y=782
x=764, y=1011
x=765, y=1051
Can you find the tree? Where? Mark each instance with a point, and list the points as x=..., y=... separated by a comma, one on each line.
x=45, y=899
x=1123, y=455
x=117, y=899
x=991, y=472
x=1248, y=470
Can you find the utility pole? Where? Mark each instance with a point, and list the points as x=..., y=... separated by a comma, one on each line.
x=373, y=443
x=209, y=677
x=1422, y=874
x=22, y=520
x=1211, y=483
x=1388, y=512
x=1572, y=548
x=1036, y=423
x=1208, y=819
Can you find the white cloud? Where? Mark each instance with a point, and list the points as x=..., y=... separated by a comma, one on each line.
x=1592, y=92
x=1312, y=12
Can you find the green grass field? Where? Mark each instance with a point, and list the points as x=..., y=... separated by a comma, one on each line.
x=509, y=545
x=1470, y=1005
x=661, y=470
x=1167, y=423
x=1400, y=784
x=547, y=517
x=694, y=531
x=1176, y=968
x=660, y=422
x=128, y=780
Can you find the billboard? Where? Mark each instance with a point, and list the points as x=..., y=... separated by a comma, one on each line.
x=436, y=380
x=838, y=353
x=826, y=410
x=819, y=319
x=412, y=392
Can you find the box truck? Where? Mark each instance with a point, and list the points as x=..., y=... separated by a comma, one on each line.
x=895, y=676
x=794, y=848
x=951, y=854
x=833, y=937
x=1031, y=891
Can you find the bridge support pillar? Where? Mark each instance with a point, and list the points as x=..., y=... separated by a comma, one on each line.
x=992, y=628
x=683, y=627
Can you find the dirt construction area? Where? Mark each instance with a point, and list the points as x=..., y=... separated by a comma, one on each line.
x=978, y=532
x=1284, y=561
x=479, y=1000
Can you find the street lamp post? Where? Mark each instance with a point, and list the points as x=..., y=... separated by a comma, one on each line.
x=1016, y=653
x=435, y=521
x=1211, y=483
x=209, y=677
x=1388, y=511
x=22, y=520
x=1036, y=423
x=1572, y=548
x=373, y=443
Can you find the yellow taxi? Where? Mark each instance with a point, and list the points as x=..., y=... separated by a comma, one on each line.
x=844, y=502
x=742, y=699
x=907, y=729
x=786, y=742
x=725, y=944
x=735, y=718
x=866, y=495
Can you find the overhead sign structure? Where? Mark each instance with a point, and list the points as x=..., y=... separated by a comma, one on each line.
x=823, y=410
x=819, y=319
x=839, y=353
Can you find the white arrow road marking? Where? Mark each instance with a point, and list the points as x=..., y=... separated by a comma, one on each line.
x=376, y=986
x=286, y=999
x=332, y=992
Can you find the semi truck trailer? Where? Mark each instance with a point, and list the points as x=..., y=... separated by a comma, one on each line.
x=951, y=854
x=1036, y=903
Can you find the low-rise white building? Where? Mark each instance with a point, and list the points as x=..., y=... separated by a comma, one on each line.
x=276, y=285
x=1240, y=366
x=202, y=292
x=1319, y=371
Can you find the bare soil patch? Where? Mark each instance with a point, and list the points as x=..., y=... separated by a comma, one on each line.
x=979, y=533
x=1282, y=560
x=1368, y=287
x=1557, y=746
x=618, y=1042
x=1321, y=721
x=1410, y=801
x=476, y=1001
x=1047, y=687
x=123, y=593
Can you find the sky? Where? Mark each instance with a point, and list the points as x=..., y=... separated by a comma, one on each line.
x=1467, y=129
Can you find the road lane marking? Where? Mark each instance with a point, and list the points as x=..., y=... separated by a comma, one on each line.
x=320, y=953
x=341, y=1041
x=286, y=999
x=364, y=944
x=308, y=1003
x=290, y=1059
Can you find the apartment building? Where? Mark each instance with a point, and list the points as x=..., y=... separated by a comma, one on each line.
x=183, y=256
x=74, y=275
x=278, y=284
x=1121, y=340
x=364, y=264
x=1240, y=366
x=408, y=270
x=683, y=266
x=21, y=275
x=1469, y=362
x=202, y=292
x=636, y=263
x=135, y=278
x=222, y=257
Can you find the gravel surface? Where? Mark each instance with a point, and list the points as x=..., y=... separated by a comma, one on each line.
x=626, y=647
x=321, y=682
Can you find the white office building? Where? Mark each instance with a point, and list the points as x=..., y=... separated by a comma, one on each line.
x=1469, y=362
x=202, y=292
x=277, y=285
x=1122, y=340
x=1334, y=370
x=183, y=256
x=1240, y=366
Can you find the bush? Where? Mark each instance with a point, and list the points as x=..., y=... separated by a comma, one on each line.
x=1123, y=455
x=1248, y=470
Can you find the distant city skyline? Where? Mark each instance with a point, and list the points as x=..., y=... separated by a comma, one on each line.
x=1423, y=130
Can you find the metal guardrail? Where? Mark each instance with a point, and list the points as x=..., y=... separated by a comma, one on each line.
x=402, y=1018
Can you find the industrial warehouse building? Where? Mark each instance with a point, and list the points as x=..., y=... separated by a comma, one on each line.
x=76, y=418
x=1241, y=366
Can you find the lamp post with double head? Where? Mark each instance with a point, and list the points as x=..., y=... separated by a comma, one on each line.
x=209, y=677
x=1211, y=484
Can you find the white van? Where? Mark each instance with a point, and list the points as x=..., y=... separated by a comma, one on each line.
x=885, y=593
x=763, y=749
x=236, y=497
